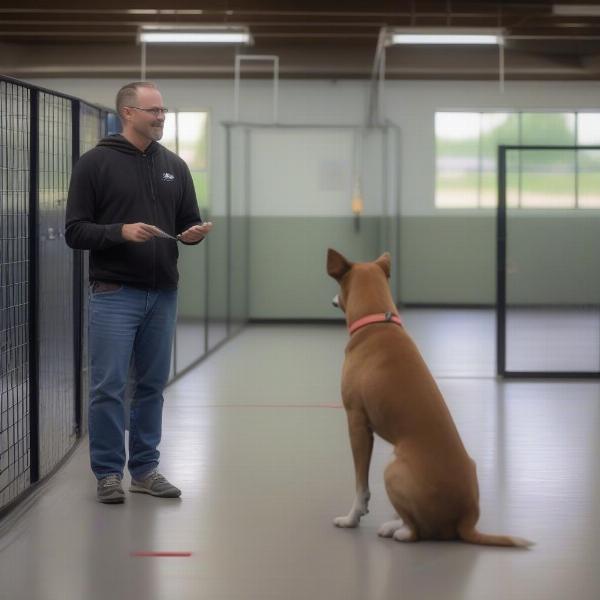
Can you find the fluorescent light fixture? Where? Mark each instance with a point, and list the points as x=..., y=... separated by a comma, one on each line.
x=576, y=10
x=194, y=35
x=407, y=38
x=183, y=37
x=444, y=36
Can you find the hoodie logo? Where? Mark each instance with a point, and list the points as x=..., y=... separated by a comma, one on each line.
x=168, y=177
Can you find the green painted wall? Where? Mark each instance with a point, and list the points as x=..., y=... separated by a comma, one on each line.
x=192, y=281
x=554, y=261
x=449, y=260
x=551, y=259
x=288, y=263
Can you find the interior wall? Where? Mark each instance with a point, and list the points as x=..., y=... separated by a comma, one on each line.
x=446, y=256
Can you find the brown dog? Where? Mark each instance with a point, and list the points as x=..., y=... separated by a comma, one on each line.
x=387, y=389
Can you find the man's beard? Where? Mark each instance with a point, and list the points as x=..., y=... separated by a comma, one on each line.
x=156, y=133
x=151, y=133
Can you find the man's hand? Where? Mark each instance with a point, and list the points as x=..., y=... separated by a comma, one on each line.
x=138, y=232
x=195, y=233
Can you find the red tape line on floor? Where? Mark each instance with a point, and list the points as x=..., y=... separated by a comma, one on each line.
x=162, y=554
x=270, y=406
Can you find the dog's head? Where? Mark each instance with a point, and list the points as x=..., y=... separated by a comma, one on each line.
x=345, y=272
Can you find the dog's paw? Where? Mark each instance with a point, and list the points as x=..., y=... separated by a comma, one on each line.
x=388, y=529
x=347, y=521
x=404, y=534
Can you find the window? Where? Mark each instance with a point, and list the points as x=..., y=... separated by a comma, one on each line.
x=588, y=173
x=186, y=134
x=466, y=156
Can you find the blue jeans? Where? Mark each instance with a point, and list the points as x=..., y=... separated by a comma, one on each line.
x=128, y=326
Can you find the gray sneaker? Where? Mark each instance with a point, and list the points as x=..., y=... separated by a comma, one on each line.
x=155, y=484
x=109, y=490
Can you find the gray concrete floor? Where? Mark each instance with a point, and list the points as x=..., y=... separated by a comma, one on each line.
x=256, y=439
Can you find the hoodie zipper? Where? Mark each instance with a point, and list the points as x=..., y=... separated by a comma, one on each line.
x=151, y=171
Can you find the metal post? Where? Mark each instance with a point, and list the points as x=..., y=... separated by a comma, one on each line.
x=501, y=65
x=381, y=87
x=377, y=77
x=34, y=443
x=143, y=68
x=174, y=342
x=501, y=265
x=236, y=88
x=275, y=88
x=78, y=256
x=206, y=293
x=397, y=181
x=228, y=261
x=247, y=210
x=384, y=222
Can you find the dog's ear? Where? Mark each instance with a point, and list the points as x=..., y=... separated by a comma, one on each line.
x=384, y=263
x=337, y=265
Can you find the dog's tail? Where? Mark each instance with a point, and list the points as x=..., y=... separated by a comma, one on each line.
x=468, y=533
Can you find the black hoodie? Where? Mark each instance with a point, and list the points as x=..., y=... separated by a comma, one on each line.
x=116, y=183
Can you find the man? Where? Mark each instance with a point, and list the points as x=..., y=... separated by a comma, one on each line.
x=125, y=194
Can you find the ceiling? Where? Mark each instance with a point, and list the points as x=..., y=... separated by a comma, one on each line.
x=325, y=39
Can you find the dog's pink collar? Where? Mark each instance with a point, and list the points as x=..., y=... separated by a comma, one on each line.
x=387, y=317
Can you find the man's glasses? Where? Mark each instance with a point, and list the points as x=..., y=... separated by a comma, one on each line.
x=153, y=111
